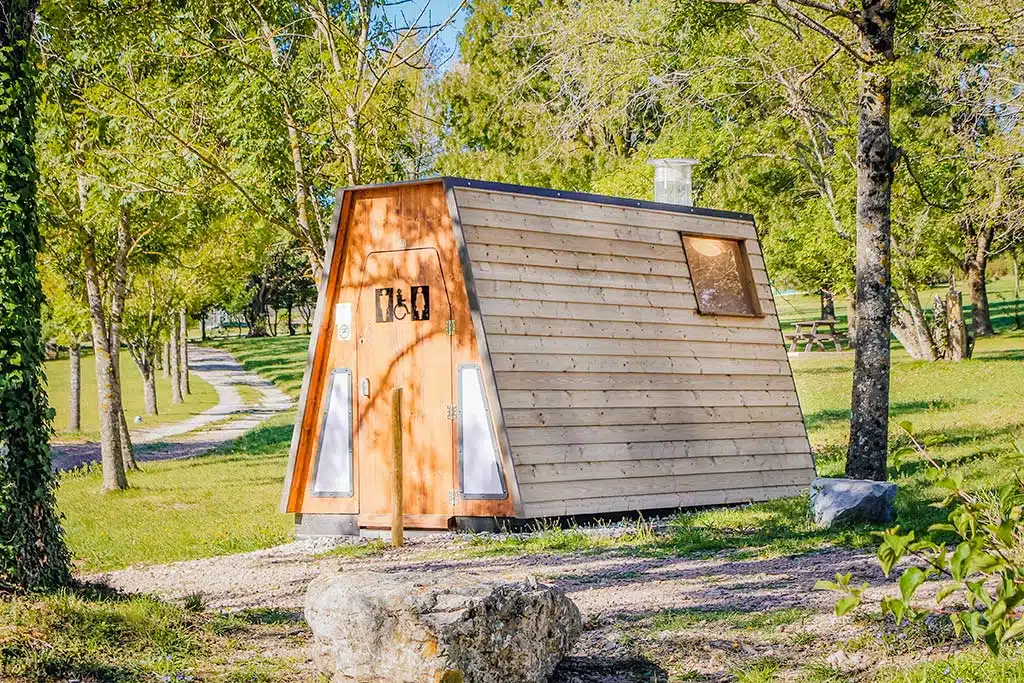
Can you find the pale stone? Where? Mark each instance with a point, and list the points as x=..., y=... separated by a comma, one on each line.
x=836, y=501
x=447, y=627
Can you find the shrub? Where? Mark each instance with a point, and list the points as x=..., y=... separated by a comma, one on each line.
x=983, y=569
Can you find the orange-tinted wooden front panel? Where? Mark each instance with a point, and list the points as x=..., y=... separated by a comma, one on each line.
x=402, y=344
x=411, y=220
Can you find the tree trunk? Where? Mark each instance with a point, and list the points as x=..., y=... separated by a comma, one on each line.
x=109, y=407
x=148, y=372
x=976, y=268
x=175, y=363
x=291, y=328
x=119, y=291
x=1016, y=291
x=910, y=326
x=828, y=304
x=202, y=328
x=186, y=383
x=960, y=346
x=165, y=360
x=75, y=400
x=127, y=448
x=851, y=319
x=869, y=423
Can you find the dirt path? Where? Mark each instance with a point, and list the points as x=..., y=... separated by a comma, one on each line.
x=229, y=419
x=622, y=597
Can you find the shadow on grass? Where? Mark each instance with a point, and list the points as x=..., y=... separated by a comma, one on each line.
x=990, y=356
x=821, y=418
x=603, y=669
x=90, y=631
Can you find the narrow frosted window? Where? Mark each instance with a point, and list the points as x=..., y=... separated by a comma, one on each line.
x=721, y=277
x=480, y=471
x=332, y=475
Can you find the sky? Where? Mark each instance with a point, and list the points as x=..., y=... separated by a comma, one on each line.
x=437, y=11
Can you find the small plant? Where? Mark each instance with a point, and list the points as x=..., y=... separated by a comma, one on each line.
x=985, y=569
x=194, y=602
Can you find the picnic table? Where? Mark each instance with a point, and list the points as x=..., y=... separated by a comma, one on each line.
x=810, y=333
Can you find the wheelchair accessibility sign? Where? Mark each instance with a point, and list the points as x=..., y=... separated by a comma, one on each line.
x=393, y=304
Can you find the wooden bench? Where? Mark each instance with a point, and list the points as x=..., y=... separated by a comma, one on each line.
x=812, y=337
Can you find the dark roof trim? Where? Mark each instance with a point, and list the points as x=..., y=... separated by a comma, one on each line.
x=572, y=196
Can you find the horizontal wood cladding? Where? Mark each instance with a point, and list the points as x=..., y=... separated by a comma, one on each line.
x=590, y=213
x=569, y=417
x=591, y=454
x=637, y=469
x=631, y=503
x=554, y=327
x=591, y=245
x=617, y=398
x=519, y=291
x=561, y=381
x=510, y=343
x=542, y=436
x=570, y=260
x=505, y=273
x=499, y=307
x=540, y=362
x=615, y=390
x=669, y=484
x=560, y=255
x=488, y=218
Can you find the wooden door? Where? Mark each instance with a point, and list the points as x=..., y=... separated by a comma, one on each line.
x=401, y=321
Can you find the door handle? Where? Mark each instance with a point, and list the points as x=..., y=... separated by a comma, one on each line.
x=364, y=387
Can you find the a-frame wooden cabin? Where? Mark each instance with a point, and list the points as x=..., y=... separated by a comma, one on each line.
x=559, y=354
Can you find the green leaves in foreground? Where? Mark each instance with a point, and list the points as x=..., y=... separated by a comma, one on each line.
x=983, y=572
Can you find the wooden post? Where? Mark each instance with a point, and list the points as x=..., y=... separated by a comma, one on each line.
x=397, y=528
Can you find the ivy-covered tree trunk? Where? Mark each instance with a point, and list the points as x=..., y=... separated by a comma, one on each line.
x=869, y=424
x=32, y=550
x=75, y=400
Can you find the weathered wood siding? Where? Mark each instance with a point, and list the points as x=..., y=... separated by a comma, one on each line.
x=616, y=393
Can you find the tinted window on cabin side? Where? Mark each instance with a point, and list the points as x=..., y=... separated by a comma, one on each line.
x=721, y=276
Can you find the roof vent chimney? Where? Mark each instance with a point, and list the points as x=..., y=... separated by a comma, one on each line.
x=673, y=183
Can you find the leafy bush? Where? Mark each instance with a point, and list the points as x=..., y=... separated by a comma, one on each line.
x=983, y=572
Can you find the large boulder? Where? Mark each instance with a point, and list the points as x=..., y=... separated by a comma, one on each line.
x=837, y=501
x=448, y=627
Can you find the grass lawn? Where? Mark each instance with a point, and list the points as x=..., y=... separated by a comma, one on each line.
x=227, y=502
x=969, y=411
x=221, y=503
x=58, y=389
x=94, y=634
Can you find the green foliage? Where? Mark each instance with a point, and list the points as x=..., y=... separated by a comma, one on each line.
x=32, y=551
x=983, y=567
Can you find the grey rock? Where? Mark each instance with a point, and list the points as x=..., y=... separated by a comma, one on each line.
x=438, y=628
x=836, y=501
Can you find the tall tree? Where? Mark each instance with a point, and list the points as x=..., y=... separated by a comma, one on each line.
x=32, y=550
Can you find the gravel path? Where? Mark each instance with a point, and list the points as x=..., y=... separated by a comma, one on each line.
x=230, y=418
x=619, y=594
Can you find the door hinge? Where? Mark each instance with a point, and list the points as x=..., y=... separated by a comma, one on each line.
x=452, y=411
x=453, y=497
x=449, y=328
